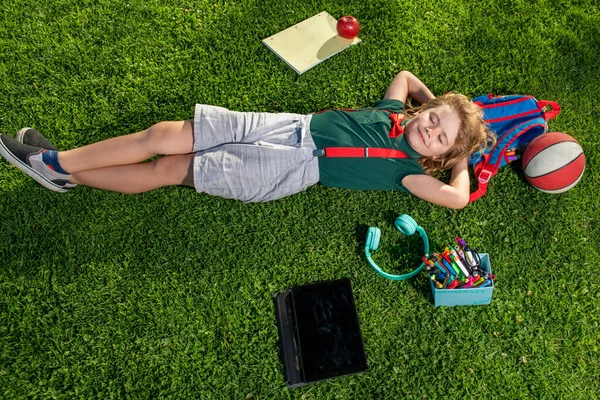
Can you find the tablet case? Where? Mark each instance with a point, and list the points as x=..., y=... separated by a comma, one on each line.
x=319, y=333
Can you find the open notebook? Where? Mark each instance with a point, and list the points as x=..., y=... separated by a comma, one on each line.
x=308, y=43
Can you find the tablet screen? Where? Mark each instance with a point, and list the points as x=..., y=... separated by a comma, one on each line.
x=329, y=338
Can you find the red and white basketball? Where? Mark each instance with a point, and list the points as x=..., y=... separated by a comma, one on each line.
x=553, y=162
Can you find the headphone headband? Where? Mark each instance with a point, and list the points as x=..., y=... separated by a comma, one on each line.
x=408, y=226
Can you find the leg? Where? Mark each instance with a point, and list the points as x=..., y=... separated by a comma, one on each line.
x=163, y=138
x=141, y=177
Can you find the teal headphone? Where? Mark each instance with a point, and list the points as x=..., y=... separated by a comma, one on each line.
x=405, y=224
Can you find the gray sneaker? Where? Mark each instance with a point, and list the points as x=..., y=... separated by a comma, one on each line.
x=29, y=160
x=32, y=137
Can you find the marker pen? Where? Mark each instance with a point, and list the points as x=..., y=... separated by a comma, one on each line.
x=453, y=284
x=460, y=252
x=468, y=284
x=456, y=270
x=435, y=282
x=428, y=261
x=448, y=279
x=467, y=250
x=479, y=281
x=448, y=257
x=456, y=259
x=487, y=282
x=440, y=265
x=428, y=266
x=450, y=275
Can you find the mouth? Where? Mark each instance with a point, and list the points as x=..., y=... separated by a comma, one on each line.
x=421, y=135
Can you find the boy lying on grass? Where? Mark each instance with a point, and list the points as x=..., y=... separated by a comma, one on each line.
x=266, y=156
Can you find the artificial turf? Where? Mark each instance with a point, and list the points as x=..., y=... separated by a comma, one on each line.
x=168, y=294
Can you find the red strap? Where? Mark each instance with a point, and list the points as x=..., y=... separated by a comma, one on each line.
x=515, y=116
x=385, y=153
x=476, y=195
x=344, y=151
x=372, y=152
x=363, y=152
x=549, y=114
x=481, y=187
x=483, y=172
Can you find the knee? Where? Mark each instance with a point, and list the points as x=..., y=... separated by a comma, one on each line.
x=168, y=137
x=158, y=131
x=174, y=170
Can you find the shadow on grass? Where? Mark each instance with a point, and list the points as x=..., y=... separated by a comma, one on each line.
x=89, y=227
x=397, y=254
x=563, y=59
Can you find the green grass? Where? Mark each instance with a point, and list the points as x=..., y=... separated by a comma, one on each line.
x=169, y=294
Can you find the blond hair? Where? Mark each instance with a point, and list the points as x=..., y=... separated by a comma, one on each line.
x=473, y=133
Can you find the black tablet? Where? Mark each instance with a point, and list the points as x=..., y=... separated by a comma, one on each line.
x=319, y=333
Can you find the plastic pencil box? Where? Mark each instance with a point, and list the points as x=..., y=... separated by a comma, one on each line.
x=465, y=297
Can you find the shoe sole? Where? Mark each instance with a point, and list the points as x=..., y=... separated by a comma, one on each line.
x=29, y=171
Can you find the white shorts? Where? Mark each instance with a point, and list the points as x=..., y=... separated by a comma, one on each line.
x=252, y=157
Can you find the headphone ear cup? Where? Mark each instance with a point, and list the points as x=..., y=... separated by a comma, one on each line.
x=406, y=224
x=373, y=237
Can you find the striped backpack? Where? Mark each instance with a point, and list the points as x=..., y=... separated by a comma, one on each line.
x=515, y=120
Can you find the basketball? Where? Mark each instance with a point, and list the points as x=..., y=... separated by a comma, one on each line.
x=553, y=162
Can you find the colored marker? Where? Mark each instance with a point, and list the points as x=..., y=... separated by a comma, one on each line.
x=456, y=270
x=479, y=281
x=448, y=279
x=453, y=284
x=460, y=252
x=456, y=259
x=467, y=250
x=468, y=284
x=487, y=282
x=445, y=257
x=449, y=273
x=448, y=257
x=435, y=282
x=475, y=271
x=439, y=265
x=431, y=264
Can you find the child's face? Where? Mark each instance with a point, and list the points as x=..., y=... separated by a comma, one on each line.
x=433, y=132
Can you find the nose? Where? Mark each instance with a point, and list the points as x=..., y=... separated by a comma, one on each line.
x=431, y=132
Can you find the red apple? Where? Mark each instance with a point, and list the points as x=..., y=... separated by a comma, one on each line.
x=348, y=27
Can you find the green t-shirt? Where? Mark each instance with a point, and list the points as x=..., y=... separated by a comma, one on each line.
x=364, y=127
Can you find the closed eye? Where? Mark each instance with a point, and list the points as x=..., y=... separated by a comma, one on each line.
x=444, y=136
